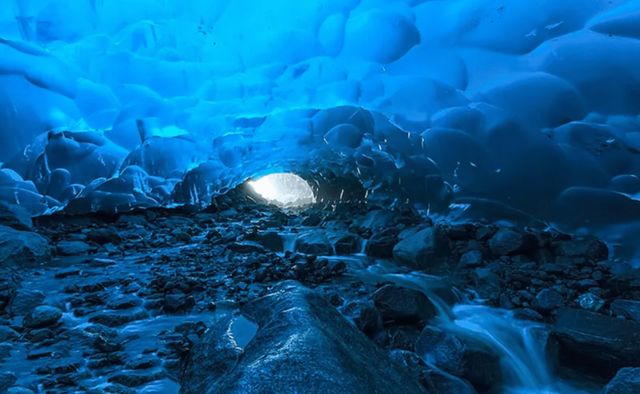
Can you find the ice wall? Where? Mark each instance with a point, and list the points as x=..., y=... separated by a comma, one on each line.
x=528, y=106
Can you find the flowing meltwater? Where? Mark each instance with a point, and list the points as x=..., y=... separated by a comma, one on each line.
x=520, y=343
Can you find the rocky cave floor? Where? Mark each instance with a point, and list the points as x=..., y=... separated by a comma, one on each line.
x=149, y=301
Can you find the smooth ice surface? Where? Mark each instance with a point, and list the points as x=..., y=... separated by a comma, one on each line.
x=511, y=109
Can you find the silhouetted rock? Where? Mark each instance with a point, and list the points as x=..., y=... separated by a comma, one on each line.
x=365, y=316
x=548, y=300
x=428, y=248
x=507, y=241
x=403, y=306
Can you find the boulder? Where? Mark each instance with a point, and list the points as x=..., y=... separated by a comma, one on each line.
x=314, y=242
x=471, y=259
x=461, y=357
x=547, y=300
x=381, y=244
x=270, y=240
x=42, y=316
x=423, y=250
x=327, y=243
x=22, y=248
x=507, y=242
x=364, y=315
x=343, y=242
x=595, y=343
x=589, y=248
x=626, y=381
x=302, y=345
x=403, y=306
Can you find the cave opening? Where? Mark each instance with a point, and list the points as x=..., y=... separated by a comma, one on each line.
x=285, y=190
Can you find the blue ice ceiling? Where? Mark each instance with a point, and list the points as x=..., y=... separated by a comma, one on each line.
x=530, y=105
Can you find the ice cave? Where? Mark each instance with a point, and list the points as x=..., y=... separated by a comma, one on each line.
x=320, y=196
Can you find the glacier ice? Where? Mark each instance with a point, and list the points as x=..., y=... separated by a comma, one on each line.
x=531, y=105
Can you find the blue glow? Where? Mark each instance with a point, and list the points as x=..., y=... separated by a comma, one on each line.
x=533, y=104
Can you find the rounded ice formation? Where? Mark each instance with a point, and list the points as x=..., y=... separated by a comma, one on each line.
x=531, y=106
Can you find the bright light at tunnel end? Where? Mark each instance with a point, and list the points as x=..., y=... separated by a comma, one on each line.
x=288, y=190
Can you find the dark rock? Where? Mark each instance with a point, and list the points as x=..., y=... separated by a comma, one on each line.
x=103, y=236
x=66, y=273
x=527, y=314
x=596, y=343
x=403, y=306
x=625, y=283
x=124, y=302
x=381, y=244
x=507, y=242
x=7, y=334
x=325, y=242
x=15, y=216
x=22, y=248
x=627, y=308
x=548, y=300
x=60, y=367
x=343, y=243
x=471, y=259
x=300, y=335
x=72, y=248
x=174, y=303
x=117, y=319
x=590, y=248
x=42, y=316
x=314, y=242
x=144, y=362
x=25, y=300
x=270, y=240
x=461, y=357
x=7, y=379
x=626, y=381
x=135, y=379
x=365, y=316
x=246, y=247
x=428, y=248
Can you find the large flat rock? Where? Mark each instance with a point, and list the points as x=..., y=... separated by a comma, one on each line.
x=302, y=345
x=596, y=343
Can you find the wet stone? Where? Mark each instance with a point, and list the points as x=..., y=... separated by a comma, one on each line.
x=403, y=306
x=365, y=316
x=42, y=316
x=548, y=300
